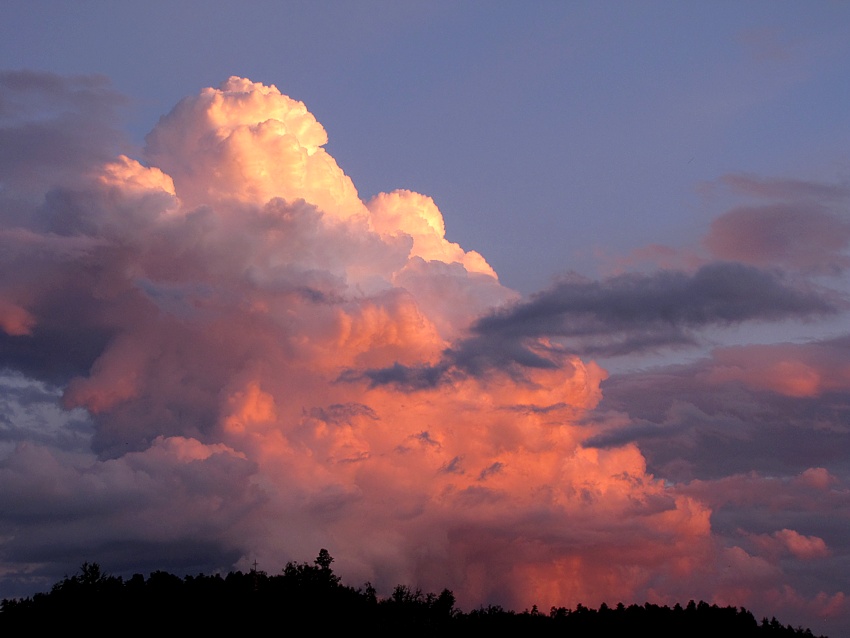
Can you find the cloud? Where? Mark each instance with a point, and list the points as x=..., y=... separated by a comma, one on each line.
x=178, y=493
x=794, y=370
x=618, y=316
x=219, y=345
x=53, y=129
x=632, y=312
x=799, y=546
x=750, y=432
x=799, y=236
x=783, y=188
x=773, y=408
x=796, y=226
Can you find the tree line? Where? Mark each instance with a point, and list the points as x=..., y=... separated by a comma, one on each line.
x=311, y=597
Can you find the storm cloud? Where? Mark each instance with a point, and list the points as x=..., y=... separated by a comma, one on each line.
x=216, y=352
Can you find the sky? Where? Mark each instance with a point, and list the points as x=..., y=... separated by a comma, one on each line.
x=546, y=304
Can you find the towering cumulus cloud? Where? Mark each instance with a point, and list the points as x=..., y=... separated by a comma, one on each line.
x=217, y=353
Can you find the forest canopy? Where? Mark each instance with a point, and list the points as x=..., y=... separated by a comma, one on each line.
x=312, y=593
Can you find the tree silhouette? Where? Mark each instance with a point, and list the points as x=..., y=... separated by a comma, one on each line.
x=304, y=592
x=324, y=559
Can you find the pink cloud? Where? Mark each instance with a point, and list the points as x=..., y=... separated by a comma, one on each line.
x=14, y=320
x=216, y=310
x=817, y=477
x=801, y=236
x=788, y=541
x=796, y=370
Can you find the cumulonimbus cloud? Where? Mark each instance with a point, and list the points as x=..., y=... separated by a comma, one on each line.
x=222, y=310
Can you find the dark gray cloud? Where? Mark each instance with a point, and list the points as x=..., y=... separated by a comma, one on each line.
x=343, y=413
x=618, y=316
x=636, y=312
x=730, y=414
x=57, y=509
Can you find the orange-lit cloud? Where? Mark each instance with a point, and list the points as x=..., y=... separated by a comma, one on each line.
x=797, y=370
x=270, y=365
x=790, y=541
